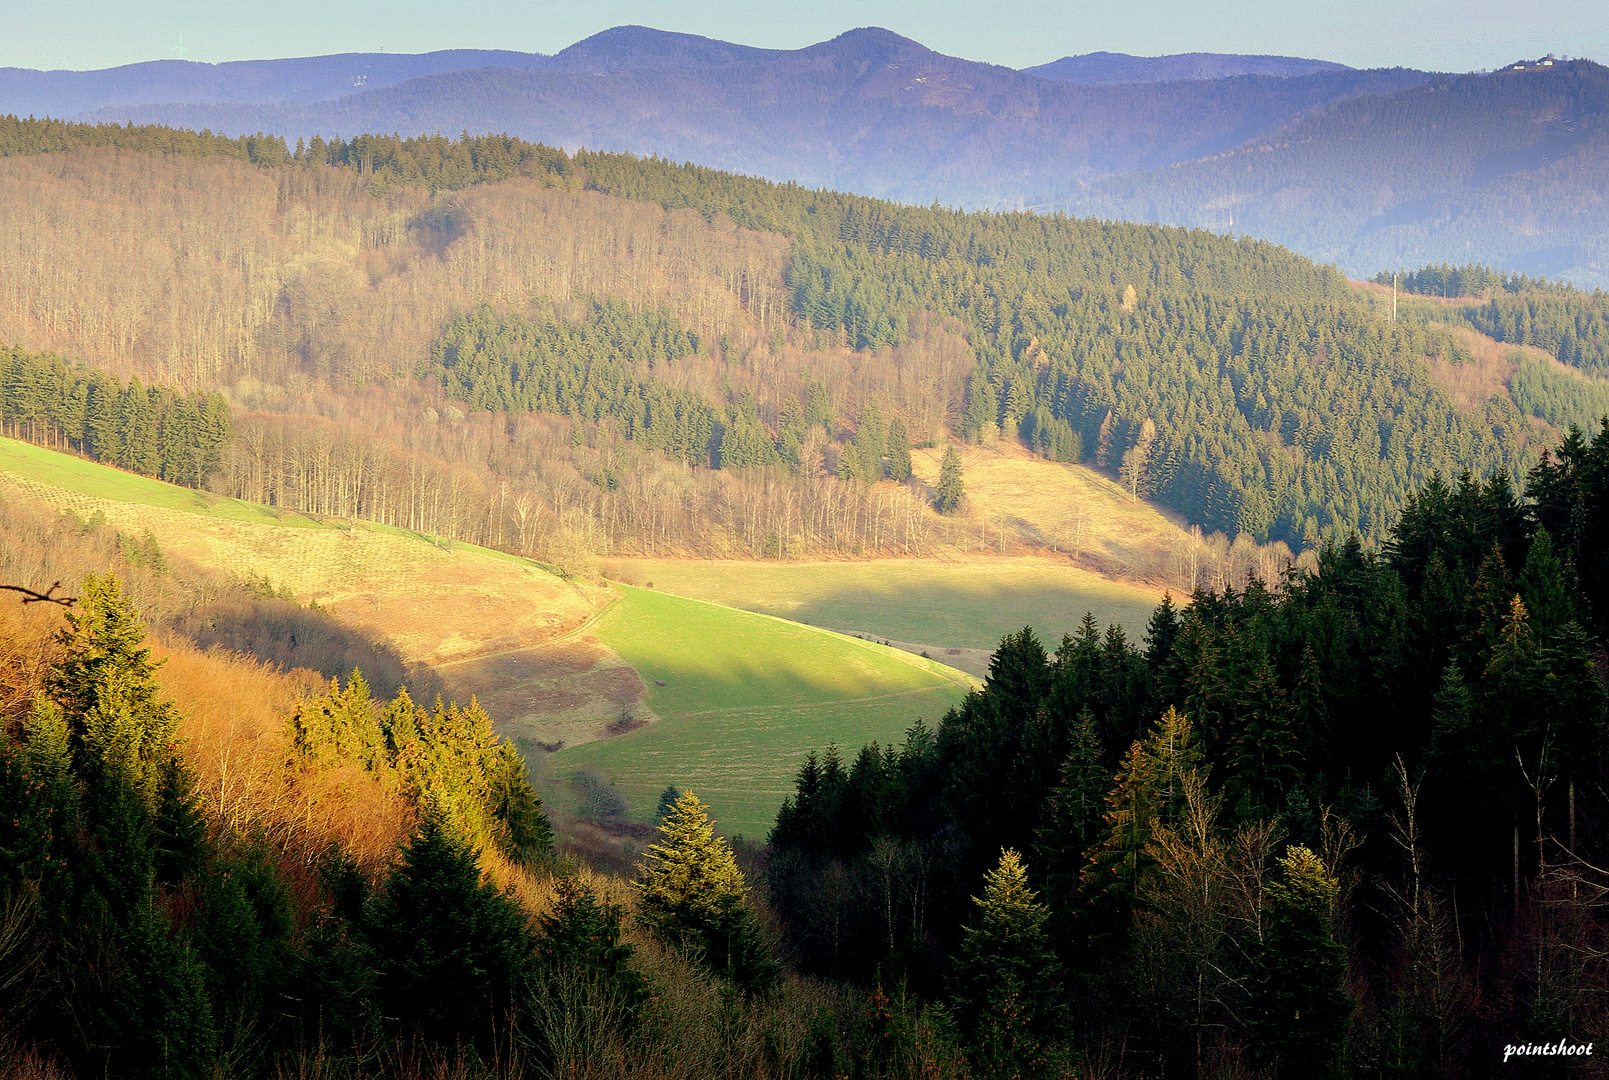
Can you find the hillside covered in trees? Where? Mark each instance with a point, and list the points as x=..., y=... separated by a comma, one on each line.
x=1251, y=390
x=1569, y=323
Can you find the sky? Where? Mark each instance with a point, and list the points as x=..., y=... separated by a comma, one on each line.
x=1441, y=35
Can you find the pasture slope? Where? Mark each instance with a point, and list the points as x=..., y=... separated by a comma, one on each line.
x=955, y=610
x=1016, y=500
x=742, y=697
x=738, y=697
x=482, y=618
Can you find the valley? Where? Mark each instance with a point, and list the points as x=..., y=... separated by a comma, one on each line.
x=488, y=611
x=955, y=609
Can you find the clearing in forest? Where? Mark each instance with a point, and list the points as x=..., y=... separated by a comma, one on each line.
x=743, y=697
x=1016, y=500
x=740, y=697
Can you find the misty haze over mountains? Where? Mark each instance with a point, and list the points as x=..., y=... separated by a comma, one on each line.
x=1370, y=169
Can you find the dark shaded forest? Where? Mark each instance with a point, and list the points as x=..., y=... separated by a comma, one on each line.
x=1414, y=736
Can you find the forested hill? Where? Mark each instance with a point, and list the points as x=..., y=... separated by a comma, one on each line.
x=1508, y=168
x=1241, y=384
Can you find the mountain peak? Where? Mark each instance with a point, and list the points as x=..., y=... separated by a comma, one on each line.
x=623, y=47
x=868, y=42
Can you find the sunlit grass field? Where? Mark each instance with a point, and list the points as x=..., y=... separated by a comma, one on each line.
x=743, y=697
x=81, y=477
x=431, y=599
x=102, y=482
x=972, y=604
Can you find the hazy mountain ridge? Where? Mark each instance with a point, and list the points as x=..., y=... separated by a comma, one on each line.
x=1106, y=68
x=1510, y=168
x=181, y=82
x=1358, y=167
x=310, y=79
x=869, y=111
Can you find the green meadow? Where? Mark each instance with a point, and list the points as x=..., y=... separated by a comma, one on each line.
x=98, y=481
x=970, y=604
x=103, y=482
x=743, y=697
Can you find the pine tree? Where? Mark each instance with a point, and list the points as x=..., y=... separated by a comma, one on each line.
x=1148, y=790
x=694, y=897
x=951, y=489
x=1298, y=1010
x=980, y=419
x=582, y=934
x=667, y=800
x=122, y=733
x=103, y=748
x=1545, y=588
x=870, y=443
x=1071, y=821
x=520, y=828
x=1005, y=977
x=452, y=951
x=899, y=451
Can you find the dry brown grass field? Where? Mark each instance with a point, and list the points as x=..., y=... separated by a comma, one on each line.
x=1016, y=501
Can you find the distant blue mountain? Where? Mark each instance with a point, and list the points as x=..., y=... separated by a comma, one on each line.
x=1108, y=68
x=305, y=80
x=867, y=111
x=243, y=82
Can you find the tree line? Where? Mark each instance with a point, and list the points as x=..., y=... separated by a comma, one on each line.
x=1329, y=823
x=429, y=161
x=1467, y=280
x=1570, y=323
x=154, y=431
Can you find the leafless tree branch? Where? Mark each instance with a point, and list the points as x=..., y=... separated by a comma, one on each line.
x=29, y=596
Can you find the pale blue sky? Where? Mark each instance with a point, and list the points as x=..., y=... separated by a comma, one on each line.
x=1449, y=35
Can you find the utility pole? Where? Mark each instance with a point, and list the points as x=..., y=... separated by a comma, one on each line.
x=1393, y=298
